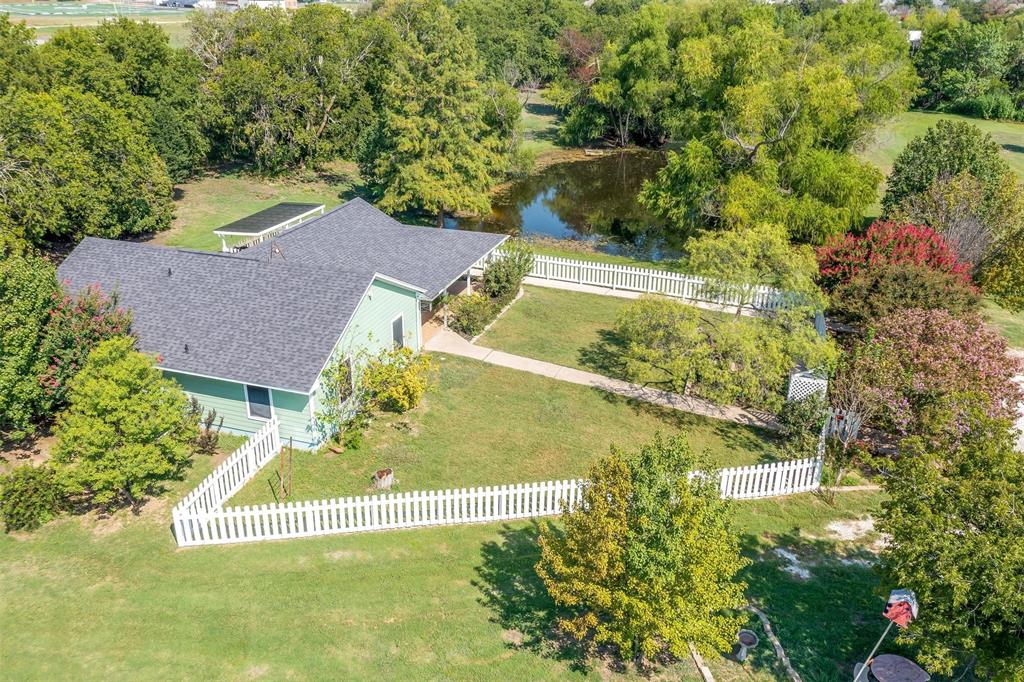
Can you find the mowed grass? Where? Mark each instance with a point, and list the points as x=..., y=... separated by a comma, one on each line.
x=214, y=200
x=488, y=425
x=112, y=599
x=891, y=138
x=1009, y=324
x=540, y=122
x=567, y=328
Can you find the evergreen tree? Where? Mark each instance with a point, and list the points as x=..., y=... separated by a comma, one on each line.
x=433, y=149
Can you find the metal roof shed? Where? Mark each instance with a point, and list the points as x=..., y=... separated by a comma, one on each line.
x=268, y=222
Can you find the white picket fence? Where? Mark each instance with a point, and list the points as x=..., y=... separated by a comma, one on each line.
x=233, y=473
x=647, y=280
x=444, y=507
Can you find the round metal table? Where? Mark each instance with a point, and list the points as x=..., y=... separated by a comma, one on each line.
x=893, y=668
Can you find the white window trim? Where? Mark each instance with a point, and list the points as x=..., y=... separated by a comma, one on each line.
x=248, y=403
x=401, y=317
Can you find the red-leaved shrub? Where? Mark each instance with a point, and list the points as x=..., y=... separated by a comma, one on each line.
x=887, y=243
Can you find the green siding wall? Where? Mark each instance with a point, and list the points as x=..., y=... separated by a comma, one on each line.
x=369, y=329
x=228, y=398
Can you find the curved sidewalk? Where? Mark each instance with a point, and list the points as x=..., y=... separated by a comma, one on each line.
x=447, y=341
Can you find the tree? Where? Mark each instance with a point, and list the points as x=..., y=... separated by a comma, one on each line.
x=887, y=243
x=743, y=262
x=291, y=88
x=881, y=291
x=938, y=355
x=28, y=284
x=947, y=149
x=432, y=149
x=738, y=360
x=769, y=106
x=648, y=561
x=952, y=513
x=19, y=61
x=519, y=36
x=79, y=167
x=126, y=429
x=77, y=324
x=964, y=67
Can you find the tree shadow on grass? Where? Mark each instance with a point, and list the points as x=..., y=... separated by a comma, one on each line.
x=827, y=620
x=604, y=356
x=520, y=603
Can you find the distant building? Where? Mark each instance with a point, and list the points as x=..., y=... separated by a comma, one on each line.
x=915, y=39
x=268, y=4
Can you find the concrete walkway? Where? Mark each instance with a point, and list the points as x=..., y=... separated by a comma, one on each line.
x=447, y=341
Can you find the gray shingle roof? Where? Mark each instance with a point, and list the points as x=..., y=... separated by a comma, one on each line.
x=356, y=235
x=258, y=322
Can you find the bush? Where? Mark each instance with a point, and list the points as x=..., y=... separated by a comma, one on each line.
x=208, y=437
x=395, y=380
x=504, y=275
x=887, y=243
x=932, y=355
x=468, y=315
x=29, y=497
x=877, y=292
x=127, y=427
x=76, y=325
x=801, y=422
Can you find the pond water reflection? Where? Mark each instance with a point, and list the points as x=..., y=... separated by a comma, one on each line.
x=593, y=199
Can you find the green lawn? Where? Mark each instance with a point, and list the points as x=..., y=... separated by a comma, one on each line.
x=540, y=125
x=488, y=425
x=890, y=140
x=214, y=200
x=113, y=599
x=1010, y=325
x=564, y=327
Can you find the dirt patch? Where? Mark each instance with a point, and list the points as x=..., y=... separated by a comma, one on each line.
x=513, y=637
x=793, y=565
x=851, y=530
x=348, y=555
x=34, y=452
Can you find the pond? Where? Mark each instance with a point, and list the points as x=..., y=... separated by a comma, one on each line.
x=592, y=199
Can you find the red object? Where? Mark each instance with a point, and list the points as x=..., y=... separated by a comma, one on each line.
x=899, y=613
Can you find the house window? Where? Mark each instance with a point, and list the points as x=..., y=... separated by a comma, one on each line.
x=257, y=402
x=346, y=382
x=398, y=331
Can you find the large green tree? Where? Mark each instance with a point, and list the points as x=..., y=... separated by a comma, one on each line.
x=518, y=40
x=433, y=149
x=953, y=513
x=19, y=60
x=770, y=108
x=290, y=88
x=649, y=561
x=126, y=429
x=77, y=167
x=28, y=287
x=737, y=360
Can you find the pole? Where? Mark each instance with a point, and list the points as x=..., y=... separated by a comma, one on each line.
x=872, y=654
